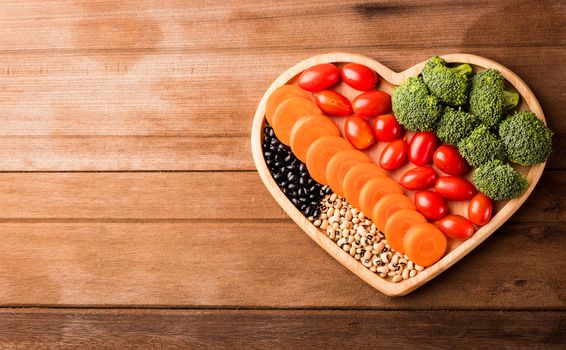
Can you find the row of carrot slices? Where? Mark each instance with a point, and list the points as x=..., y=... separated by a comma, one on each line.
x=331, y=160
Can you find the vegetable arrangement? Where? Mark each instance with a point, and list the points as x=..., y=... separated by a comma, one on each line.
x=450, y=124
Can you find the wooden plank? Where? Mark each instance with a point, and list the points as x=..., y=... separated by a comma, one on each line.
x=186, y=196
x=187, y=94
x=141, y=196
x=292, y=329
x=226, y=264
x=124, y=153
x=293, y=24
x=180, y=95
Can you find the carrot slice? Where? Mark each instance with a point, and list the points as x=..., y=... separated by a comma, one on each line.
x=287, y=114
x=356, y=178
x=320, y=152
x=307, y=129
x=387, y=205
x=279, y=95
x=398, y=224
x=374, y=189
x=424, y=244
x=339, y=165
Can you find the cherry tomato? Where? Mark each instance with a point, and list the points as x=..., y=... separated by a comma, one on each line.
x=421, y=147
x=386, y=128
x=372, y=103
x=455, y=188
x=456, y=227
x=358, y=132
x=448, y=159
x=480, y=209
x=319, y=77
x=333, y=103
x=359, y=76
x=430, y=204
x=394, y=155
x=418, y=178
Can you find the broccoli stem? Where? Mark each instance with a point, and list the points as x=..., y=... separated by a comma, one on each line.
x=510, y=99
x=464, y=69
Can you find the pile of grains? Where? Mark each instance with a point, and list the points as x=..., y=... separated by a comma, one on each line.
x=292, y=176
x=357, y=235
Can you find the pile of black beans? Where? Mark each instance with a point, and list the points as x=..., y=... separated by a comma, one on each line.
x=292, y=176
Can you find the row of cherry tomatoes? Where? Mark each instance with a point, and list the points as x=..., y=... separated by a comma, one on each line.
x=422, y=149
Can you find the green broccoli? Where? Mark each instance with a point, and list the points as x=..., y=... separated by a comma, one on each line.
x=454, y=125
x=481, y=147
x=499, y=180
x=489, y=99
x=450, y=84
x=527, y=140
x=414, y=107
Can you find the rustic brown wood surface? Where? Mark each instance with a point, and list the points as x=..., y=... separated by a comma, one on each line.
x=127, y=181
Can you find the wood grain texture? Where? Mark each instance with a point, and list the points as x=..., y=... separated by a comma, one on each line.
x=128, y=85
x=230, y=264
x=73, y=95
x=124, y=153
x=130, y=24
x=292, y=329
x=188, y=196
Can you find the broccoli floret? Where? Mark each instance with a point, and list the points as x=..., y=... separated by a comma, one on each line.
x=454, y=125
x=414, y=107
x=489, y=99
x=481, y=147
x=527, y=140
x=499, y=180
x=450, y=84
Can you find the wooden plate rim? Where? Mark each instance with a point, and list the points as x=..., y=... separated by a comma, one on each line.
x=384, y=286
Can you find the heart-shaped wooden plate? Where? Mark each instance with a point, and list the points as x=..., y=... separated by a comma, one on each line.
x=390, y=79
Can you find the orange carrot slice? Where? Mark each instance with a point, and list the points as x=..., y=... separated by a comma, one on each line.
x=374, y=189
x=319, y=154
x=356, y=178
x=339, y=165
x=398, y=224
x=424, y=244
x=387, y=205
x=287, y=114
x=307, y=129
x=279, y=95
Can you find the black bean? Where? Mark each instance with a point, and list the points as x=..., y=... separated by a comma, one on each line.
x=308, y=211
x=283, y=183
x=291, y=177
x=295, y=201
x=303, y=200
x=316, y=213
x=293, y=186
x=276, y=177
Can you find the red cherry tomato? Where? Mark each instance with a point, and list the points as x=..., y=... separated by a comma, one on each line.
x=430, y=204
x=358, y=132
x=456, y=227
x=448, y=159
x=359, y=76
x=394, y=155
x=332, y=103
x=386, y=128
x=418, y=178
x=319, y=77
x=372, y=103
x=421, y=147
x=455, y=188
x=480, y=209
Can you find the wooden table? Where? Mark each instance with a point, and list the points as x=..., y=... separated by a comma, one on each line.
x=131, y=213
